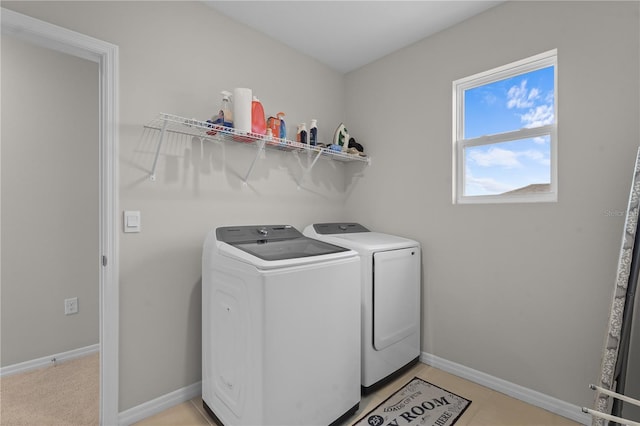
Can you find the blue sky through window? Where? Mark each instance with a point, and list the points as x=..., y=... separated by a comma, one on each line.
x=523, y=101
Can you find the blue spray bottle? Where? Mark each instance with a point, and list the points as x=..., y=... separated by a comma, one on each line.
x=283, y=126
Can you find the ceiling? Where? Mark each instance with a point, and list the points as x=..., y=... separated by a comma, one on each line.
x=346, y=35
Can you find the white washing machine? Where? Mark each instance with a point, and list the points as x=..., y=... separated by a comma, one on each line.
x=280, y=328
x=390, y=298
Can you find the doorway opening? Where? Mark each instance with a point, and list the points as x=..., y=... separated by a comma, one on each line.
x=106, y=56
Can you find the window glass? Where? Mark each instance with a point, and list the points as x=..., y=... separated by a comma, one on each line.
x=515, y=167
x=523, y=101
x=505, y=133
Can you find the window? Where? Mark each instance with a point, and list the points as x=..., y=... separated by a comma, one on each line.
x=505, y=133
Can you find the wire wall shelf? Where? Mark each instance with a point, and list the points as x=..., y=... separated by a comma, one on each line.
x=213, y=132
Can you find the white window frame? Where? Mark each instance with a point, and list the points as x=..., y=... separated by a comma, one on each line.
x=543, y=60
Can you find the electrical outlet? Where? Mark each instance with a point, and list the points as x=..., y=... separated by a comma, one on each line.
x=71, y=306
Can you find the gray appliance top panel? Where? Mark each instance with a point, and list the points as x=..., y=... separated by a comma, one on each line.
x=274, y=242
x=339, y=228
x=253, y=233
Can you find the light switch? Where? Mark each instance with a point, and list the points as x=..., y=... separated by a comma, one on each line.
x=131, y=221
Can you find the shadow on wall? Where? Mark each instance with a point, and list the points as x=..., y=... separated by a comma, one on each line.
x=184, y=160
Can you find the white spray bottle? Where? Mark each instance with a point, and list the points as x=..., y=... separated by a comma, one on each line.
x=225, y=113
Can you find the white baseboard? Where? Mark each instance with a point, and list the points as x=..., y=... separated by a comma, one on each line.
x=157, y=405
x=34, y=364
x=529, y=396
x=554, y=405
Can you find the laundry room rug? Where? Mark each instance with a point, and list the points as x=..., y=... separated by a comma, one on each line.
x=417, y=403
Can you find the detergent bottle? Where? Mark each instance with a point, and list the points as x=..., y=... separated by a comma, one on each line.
x=258, y=122
x=275, y=124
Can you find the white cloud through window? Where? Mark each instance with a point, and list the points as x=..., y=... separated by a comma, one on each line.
x=508, y=159
x=521, y=97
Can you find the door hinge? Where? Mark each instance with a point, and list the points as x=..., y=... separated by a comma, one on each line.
x=104, y=260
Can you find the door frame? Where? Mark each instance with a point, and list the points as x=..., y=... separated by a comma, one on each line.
x=105, y=55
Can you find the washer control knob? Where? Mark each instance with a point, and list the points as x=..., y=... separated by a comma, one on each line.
x=263, y=231
x=343, y=227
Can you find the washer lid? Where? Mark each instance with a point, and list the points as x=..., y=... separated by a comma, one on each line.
x=274, y=242
x=252, y=233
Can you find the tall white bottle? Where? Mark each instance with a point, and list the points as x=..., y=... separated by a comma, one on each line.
x=242, y=98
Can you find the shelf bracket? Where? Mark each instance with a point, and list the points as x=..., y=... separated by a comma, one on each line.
x=261, y=143
x=307, y=170
x=155, y=160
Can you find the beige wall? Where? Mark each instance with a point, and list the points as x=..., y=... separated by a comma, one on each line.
x=518, y=291
x=50, y=248
x=176, y=57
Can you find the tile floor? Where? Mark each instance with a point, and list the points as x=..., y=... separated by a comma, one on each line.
x=488, y=408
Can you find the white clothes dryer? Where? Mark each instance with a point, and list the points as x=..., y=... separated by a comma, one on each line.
x=280, y=328
x=390, y=298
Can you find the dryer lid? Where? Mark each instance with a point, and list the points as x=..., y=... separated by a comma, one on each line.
x=274, y=242
x=338, y=228
x=356, y=238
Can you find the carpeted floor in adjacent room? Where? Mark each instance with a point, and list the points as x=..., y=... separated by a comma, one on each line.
x=66, y=394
